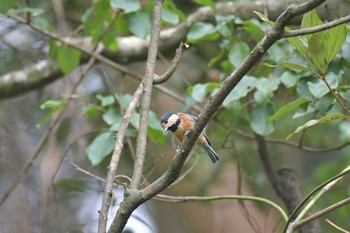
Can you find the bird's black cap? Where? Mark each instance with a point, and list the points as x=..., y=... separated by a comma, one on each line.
x=166, y=116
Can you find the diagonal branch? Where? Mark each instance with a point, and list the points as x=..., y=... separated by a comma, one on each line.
x=230, y=82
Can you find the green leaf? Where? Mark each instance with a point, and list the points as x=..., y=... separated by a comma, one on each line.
x=153, y=120
x=202, y=32
x=169, y=16
x=109, y=39
x=324, y=104
x=241, y=90
x=52, y=49
x=156, y=135
x=319, y=88
x=124, y=100
x=289, y=79
x=105, y=100
x=53, y=104
x=293, y=66
x=259, y=116
x=344, y=131
x=135, y=120
x=140, y=23
x=286, y=109
x=310, y=109
x=316, y=53
x=276, y=53
x=154, y=131
x=199, y=92
x=298, y=45
x=126, y=5
x=6, y=5
x=303, y=89
x=310, y=19
x=111, y=116
x=333, y=41
x=238, y=53
x=205, y=3
x=310, y=123
x=267, y=86
x=90, y=111
x=254, y=30
x=100, y=147
x=171, y=7
x=262, y=17
x=42, y=23
x=67, y=58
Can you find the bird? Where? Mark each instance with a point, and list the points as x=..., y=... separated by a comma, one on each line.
x=179, y=123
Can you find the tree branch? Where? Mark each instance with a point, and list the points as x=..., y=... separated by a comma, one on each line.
x=321, y=213
x=322, y=27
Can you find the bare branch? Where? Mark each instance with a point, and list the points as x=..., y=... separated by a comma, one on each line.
x=170, y=71
x=336, y=227
x=322, y=27
x=294, y=144
x=321, y=213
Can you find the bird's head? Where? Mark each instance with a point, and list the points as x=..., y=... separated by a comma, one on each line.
x=170, y=121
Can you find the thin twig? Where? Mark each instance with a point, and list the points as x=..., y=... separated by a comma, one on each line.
x=170, y=198
x=336, y=227
x=322, y=27
x=87, y=172
x=320, y=213
x=314, y=195
x=336, y=96
x=174, y=64
x=294, y=144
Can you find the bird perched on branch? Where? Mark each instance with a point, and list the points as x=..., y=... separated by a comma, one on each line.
x=179, y=123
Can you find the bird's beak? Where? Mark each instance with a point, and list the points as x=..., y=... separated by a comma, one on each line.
x=165, y=129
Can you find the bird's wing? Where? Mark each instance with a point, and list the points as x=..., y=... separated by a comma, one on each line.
x=192, y=118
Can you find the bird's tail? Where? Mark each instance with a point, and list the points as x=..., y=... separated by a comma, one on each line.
x=212, y=154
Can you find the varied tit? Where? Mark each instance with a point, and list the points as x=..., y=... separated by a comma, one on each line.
x=179, y=123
